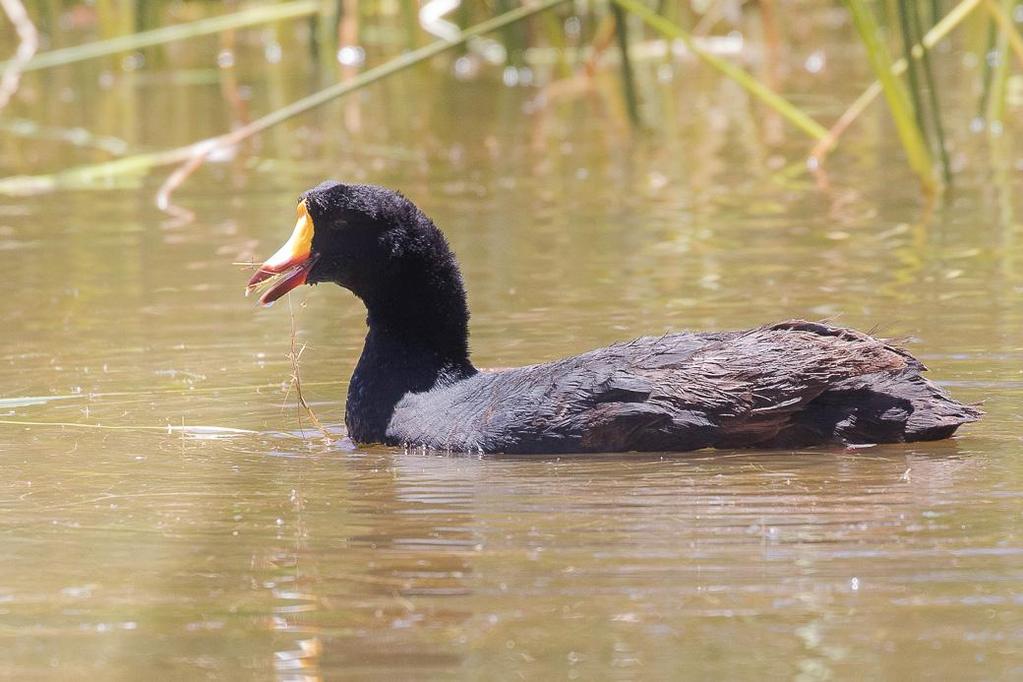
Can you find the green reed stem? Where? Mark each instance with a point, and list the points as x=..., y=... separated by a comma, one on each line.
x=323, y=31
x=950, y=21
x=410, y=22
x=514, y=39
x=87, y=176
x=77, y=137
x=167, y=34
x=898, y=102
x=985, y=76
x=1002, y=16
x=552, y=28
x=1000, y=78
x=628, y=77
x=932, y=92
x=793, y=114
x=913, y=68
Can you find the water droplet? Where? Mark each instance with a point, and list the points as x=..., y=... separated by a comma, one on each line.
x=510, y=76
x=816, y=62
x=351, y=55
x=493, y=52
x=225, y=59
x=465, y=67
x=273, y=53
x=133, y=61
x=657, y=180
x=573, y=27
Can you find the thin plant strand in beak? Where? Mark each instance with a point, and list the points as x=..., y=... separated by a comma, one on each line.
x=289, y=266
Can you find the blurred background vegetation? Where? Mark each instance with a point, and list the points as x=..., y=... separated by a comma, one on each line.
x=917, y=50
x=601, y=173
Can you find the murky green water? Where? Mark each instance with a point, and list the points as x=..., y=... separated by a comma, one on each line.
x=138, y=541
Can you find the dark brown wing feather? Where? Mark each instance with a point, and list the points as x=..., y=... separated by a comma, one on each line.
x=790, y=383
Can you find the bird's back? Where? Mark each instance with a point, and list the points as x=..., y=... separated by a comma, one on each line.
x=791, y=383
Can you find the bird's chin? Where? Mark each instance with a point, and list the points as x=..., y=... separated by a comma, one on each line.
x=279, y=280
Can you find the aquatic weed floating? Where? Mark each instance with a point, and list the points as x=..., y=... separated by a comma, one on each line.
x=788, y=384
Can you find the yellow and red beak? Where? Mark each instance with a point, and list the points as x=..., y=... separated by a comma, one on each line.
x=290, y=266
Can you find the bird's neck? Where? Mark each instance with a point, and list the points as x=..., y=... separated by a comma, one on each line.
x=418, y=339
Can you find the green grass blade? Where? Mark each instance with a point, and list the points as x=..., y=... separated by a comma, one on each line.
x=552, y=28
x=985, y=77
x=913, y=68
x=898, y=103
x=513, y=38
x=932, y=92
x=948, y=23
x=167, y=34
x=89, y=176
x=793, y=114
x=1001, y=15
x=1000, y=78
x=628, y=78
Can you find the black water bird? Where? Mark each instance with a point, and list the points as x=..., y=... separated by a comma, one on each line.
x=788, y=384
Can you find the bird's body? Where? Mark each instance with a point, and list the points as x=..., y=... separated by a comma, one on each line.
x=793, y=383
x=789, y=384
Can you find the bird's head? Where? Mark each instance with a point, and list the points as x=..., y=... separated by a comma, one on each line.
x=359, y=236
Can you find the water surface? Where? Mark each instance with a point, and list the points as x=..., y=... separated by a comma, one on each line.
x=167, y=510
